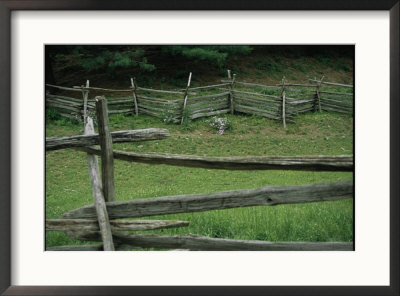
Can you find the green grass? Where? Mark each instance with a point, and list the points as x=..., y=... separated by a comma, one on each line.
x=68, y=185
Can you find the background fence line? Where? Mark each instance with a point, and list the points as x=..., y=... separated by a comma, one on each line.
x=278, y=102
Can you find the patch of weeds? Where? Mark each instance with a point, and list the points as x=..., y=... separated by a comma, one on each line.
x=167, y=116
x=187, y=122
x=52, y=114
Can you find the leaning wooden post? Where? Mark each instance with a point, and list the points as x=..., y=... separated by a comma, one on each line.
x=133, y=84
x=185, y=96
x=85, y=94
x=318, y=95
x=107, y=158
x=283, y=103
x=230, y=96
x=98, y=197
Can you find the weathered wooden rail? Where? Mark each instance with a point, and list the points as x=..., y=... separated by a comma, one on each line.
x=84, y=225
x=202, y=243
x=265, y=196
x=300, y=163
x=281, y=102
x=148, y=134
x=97, y=222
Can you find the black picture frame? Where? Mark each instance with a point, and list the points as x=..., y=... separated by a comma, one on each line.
x=6, y=7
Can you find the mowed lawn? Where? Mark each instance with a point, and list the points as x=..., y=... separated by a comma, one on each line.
x=68, y=185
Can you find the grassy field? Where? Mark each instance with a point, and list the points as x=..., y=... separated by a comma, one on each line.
x=68, y=185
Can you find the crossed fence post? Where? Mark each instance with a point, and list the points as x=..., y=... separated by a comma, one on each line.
x=102, y=191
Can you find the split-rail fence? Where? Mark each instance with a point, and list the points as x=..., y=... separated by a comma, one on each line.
x=99, y=221
x=281, y=102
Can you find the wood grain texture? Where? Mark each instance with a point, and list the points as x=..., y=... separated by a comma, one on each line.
x=203, y=243
x=116, y=225
x=265, y=196
x=76, y=248
x=148, y=134
x=107, y=158
x=89, y=248
x=301, y=163
x=98, y=197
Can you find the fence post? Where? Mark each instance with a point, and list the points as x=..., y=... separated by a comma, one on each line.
x=107, y=158
x=98, y=197
x=318, y=95
x=230, y=96
x=133, y=84
x=85, y=94
x=283, y=103
x=186, y=97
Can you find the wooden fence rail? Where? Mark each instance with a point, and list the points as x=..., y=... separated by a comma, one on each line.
x=265, y=196
x=90, y=225
x=203, y=243
x=300, y=163
x=148, y=134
